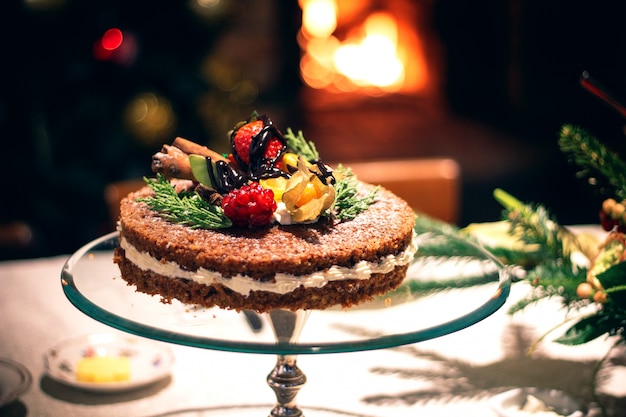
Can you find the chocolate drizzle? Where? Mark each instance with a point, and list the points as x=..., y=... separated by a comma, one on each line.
x=260, y=166
x=225, y=177
x=324, y=172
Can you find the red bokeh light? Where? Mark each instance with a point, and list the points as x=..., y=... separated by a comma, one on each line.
x=115, y=45
x=112, y=39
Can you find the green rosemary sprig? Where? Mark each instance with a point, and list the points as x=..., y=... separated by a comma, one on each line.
x=593, y=158
x=301, y=146
x=348, y=204
x=188, y=209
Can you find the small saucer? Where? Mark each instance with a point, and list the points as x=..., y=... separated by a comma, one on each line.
x=511, y=403
x=149, y=361
x=15, y=380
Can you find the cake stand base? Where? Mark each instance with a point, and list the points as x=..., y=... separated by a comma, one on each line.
x=286, y=378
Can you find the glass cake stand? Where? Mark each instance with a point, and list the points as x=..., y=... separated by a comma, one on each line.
x=430, y=303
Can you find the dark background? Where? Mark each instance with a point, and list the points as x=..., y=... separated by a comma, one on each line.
x=510, y=65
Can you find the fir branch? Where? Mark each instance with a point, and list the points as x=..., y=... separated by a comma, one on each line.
x=348, y=204
x=427, y=224
x=530, y=299
x=557, y=278
x=188, y=209
x=554, y=278
x=554, y=274
x=430, y=286
x=435, y=244
x=301, y=146
x=593, y=157
x=533, y=224
x=523, y=258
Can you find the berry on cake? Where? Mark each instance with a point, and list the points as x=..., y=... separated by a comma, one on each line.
x=267, y=226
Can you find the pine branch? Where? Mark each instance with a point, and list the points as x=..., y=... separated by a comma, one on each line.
x=553, y=278
x=593, y=157
x=557, y=278
x=428, y=224
x=525, y=302
x=533, y=224
x=188, y=209
x=523, y=258
x=430, y=286
x=348, y=204
x=301, y=146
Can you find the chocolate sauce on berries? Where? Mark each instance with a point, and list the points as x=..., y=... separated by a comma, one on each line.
x=228, y=177
x=325, y=173
x=260, y=166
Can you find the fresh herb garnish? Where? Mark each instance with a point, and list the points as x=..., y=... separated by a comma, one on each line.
x=301, y=146
x=188, y=208
x=347, y=203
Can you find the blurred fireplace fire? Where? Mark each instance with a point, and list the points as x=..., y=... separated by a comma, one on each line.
x=371, y=70
x=346, y=48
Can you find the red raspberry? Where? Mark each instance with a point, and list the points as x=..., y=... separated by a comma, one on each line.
x=273, y=149
x=251, y=205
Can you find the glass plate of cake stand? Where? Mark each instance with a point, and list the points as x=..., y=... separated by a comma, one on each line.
x=444, y=292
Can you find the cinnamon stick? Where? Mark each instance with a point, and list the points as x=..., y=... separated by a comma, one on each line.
x=172, y=162
x=190, y=147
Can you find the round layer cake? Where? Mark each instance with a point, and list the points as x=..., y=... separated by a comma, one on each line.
x=298, y=266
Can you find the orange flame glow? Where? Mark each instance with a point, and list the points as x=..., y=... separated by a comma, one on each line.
x=378, y=56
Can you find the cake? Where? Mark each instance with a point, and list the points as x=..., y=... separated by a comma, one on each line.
x=268, y=226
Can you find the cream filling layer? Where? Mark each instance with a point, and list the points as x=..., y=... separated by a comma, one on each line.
x=284, y=283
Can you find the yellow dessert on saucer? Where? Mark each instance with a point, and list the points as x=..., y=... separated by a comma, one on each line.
x=103, y=369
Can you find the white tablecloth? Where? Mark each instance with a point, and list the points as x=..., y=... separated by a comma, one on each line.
x=454, y=375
